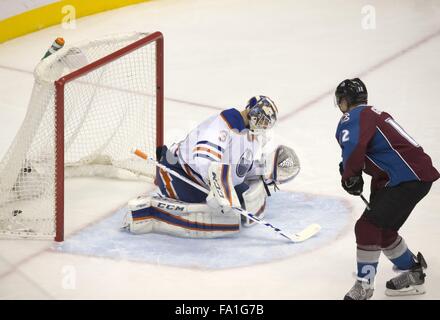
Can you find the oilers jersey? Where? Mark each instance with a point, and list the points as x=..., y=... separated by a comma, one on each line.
x=373, y=142
x=222, y=138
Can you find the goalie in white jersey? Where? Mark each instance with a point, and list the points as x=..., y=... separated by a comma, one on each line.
x=224, y=154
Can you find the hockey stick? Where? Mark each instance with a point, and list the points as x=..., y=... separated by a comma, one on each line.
x=365, y=201
x=303, y=235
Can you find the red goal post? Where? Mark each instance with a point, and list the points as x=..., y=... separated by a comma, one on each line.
x=156, y=37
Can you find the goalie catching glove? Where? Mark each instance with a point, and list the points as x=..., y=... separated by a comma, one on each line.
x=282, y=166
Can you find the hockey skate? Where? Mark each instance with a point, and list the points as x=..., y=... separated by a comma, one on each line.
x=409, y=282
x=360, y=291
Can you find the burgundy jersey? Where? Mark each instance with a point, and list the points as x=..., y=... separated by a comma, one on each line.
x=373, y=142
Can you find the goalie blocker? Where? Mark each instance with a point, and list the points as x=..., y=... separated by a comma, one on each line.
x=184, y=211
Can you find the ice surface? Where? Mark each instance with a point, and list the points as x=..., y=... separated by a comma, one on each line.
x=288, y=211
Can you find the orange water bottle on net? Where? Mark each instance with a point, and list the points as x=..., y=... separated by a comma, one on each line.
x=56, y=45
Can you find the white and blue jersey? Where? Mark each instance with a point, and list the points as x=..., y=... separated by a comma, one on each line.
x=221, y=138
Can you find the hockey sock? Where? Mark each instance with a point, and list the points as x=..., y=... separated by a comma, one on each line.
x=400, y=255
x=367, y=261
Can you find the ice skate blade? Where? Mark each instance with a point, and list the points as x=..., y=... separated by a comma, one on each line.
x=411, y=290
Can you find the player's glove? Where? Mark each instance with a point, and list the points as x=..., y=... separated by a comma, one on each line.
x=353, y=185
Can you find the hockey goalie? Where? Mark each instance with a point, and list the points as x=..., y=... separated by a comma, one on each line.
x=225, y=155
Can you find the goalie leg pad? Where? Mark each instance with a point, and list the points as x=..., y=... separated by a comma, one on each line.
x=254, y=200
x=177, y=218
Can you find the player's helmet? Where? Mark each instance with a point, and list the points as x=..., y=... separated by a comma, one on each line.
x=262, y=113
x=353, y=90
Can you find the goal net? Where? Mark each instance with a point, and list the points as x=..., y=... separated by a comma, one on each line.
x=91, y=104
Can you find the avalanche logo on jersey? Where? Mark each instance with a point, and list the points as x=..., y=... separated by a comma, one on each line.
x=245, y=163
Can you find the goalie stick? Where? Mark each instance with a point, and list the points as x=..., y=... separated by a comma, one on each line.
x=303, y=235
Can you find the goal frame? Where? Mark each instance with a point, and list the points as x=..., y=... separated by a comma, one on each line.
x=59, y=113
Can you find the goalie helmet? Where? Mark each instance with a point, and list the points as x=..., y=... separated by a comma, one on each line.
x=262, y=113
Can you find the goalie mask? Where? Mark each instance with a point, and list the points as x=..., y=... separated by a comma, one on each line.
x=262, y=113
x=283, y=166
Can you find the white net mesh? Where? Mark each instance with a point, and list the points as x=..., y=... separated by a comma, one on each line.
x=107, y=112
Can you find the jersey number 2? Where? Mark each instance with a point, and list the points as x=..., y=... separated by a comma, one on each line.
x=345, y=136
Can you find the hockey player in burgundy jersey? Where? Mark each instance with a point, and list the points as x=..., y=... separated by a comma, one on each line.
x=402, y=174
